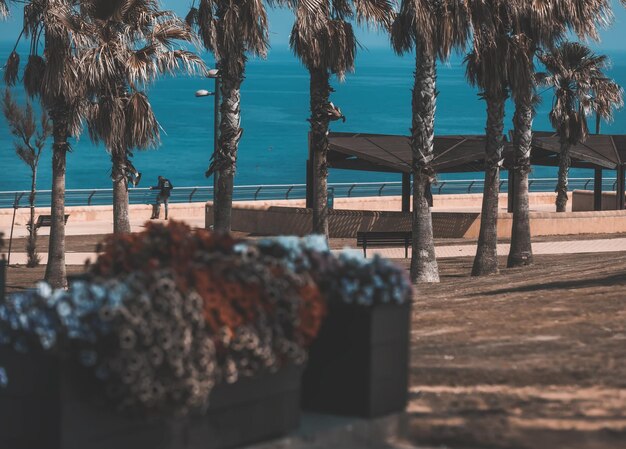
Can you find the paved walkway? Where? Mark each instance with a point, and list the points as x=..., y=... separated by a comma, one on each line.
x=443, y=252
x=561, y=247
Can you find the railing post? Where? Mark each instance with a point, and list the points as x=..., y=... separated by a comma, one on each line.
x=406, y=192
x=93, y=192
x=380, y=191
x=193, y=192
x=441, y=185
x=469, y=189
x=288, y=192
x=256, y=194
x=350, y=190
x=597, y=190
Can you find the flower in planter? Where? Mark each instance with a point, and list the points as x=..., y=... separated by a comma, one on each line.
x=347, y=277
x=260, y=312
x=39, y=318
x=160, y=359
x=368, y=282
x=142, y=340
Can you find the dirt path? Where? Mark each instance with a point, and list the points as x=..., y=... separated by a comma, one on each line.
x=532, y=358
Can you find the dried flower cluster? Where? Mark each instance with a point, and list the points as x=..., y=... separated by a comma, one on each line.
x=261, y=312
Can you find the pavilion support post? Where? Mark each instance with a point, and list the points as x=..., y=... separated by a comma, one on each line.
x=621, y=187
x=511, y=191
x=310, y=178
x=406, y=192
x=597, y=190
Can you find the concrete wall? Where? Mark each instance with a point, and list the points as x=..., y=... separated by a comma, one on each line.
x=103, y=213
x=582, y=201
x=345, y=224
x=280, y=220
x=394, y=203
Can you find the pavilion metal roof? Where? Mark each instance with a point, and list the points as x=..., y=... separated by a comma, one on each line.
x=465, y=153
x=599, y=150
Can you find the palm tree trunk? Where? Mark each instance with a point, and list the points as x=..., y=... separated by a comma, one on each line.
x=121, y=220
x=521, y=252
x=320, y=91
x=55, y=269
x=486, y=261
x=423, y=261
x=561, y=187
x=31, y=246
x=230, y=135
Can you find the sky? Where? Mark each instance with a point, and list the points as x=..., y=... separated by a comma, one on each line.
x=281, y=21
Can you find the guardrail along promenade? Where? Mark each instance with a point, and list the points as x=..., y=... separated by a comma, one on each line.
x=101, y=197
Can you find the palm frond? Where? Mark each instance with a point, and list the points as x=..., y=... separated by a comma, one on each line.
x=375, y=13
x=435, y=27
x=580, y=87
x=142, y=128
x=4, y=10
x=33, y=75
x=11, y=69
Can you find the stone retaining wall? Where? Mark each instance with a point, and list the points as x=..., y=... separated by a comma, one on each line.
x=345, y=223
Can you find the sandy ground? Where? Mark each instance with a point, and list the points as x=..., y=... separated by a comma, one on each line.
x=531, y=358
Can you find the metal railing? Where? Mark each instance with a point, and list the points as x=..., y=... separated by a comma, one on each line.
x=100, y=197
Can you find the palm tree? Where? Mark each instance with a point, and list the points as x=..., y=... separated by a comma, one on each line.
x=486, y=69
x=323, y=39
x=131, y=45
x=4, y=9
x=440, y=27
x=29, y=144
x=231, y=30
x=539, y=28
x=581, y=88
x=50, y=75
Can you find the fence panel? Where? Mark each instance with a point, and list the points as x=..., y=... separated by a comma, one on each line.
x=100, y=197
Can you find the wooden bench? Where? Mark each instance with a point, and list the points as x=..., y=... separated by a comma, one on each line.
x=384, y=239
x=45, y=221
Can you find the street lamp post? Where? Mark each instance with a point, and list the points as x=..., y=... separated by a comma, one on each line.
x=214, y=74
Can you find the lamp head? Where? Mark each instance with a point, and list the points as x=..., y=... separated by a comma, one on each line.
x=204, y=93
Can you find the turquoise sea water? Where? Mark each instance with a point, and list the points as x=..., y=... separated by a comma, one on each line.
x=275, y=105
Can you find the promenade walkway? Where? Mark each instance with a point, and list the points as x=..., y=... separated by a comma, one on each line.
x=443, y=252
x=539, y=248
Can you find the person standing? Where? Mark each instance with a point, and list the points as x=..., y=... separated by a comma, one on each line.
x=164, y=187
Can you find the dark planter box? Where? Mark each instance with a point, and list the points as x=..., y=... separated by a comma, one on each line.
x=359, y=364
x=42, y=408
x=3, y=278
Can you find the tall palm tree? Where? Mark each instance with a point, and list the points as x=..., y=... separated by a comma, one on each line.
x=433, y=29
x=231, y=31
x=540, y=26
x=486, y=69
x=131, y=45
x=581, y=88
x=50, y=75
x=323, y=39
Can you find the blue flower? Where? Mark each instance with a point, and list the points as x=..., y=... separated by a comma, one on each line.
x=88, y=358
x=4, y=379
x=44, y=290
